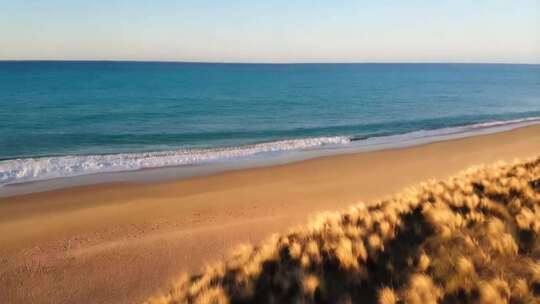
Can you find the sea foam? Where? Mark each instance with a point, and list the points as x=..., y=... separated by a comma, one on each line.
x=16, y=171
x=34, y=169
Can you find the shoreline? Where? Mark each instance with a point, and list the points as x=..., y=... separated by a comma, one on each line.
x=121, y=242
x=257, y=160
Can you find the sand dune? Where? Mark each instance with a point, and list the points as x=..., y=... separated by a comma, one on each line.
x=474, y=238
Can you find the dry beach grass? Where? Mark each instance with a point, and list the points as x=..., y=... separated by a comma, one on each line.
x=473, y=238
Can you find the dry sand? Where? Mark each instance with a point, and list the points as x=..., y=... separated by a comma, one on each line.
x=119, y=243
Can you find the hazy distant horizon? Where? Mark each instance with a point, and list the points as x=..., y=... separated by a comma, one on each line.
x=269, y=62
x=243, y=31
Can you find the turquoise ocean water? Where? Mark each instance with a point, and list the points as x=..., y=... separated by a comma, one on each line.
x=61, y=119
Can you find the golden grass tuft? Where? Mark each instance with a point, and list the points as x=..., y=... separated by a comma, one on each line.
x=423, y=262
x=310, y=284
x=473, y=238
x=494, y=292
x=422, y=290
x=387, y=296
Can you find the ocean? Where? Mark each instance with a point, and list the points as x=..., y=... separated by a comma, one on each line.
x=63, y=119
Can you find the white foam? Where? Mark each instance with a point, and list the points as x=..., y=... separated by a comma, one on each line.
x=35, y=169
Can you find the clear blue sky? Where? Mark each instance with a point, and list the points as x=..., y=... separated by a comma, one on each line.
x=272, y=30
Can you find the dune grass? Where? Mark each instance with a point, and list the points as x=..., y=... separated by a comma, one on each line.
x=473, y=238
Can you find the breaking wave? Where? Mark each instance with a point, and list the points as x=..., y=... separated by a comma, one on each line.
x=15, y=171
x=34, y=169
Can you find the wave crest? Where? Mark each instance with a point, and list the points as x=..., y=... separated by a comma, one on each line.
x=35, y=169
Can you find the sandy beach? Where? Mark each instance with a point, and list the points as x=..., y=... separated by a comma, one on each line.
x=121, y=242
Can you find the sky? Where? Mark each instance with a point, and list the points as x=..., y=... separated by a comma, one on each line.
x=505, y=31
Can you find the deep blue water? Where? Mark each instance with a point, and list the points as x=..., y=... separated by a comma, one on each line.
x=66, y=108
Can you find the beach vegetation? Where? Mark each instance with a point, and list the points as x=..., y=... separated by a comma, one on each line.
x=473, y=238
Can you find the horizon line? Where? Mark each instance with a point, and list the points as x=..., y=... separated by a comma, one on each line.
x=267, y=63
